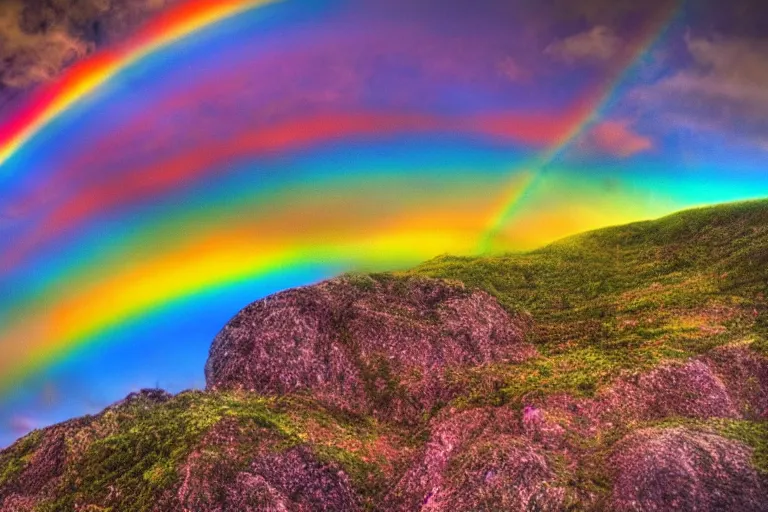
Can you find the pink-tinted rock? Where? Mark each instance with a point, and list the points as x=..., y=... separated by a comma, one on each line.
x=500, y=473
x=42, y=467
x=218, y=476
x=478, y=460
x=396, y=351
x=18, y=503
x=690, y=390
x=681, y=469
x=381, y=347
x=292, y=480
x=744, y=373
x=539, y=427
x=426, y=477
x=145, y=397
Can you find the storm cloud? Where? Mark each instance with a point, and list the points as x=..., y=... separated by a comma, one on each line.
x=38, y=38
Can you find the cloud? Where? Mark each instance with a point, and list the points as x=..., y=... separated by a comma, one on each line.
x=512, y=71
x=597, y=44
x=27, y=59
x=39, y=38
x=733, y=69
x=722, y=88
x=617, y=138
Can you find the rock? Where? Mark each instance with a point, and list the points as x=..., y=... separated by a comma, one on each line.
x=292, y=480
x=340, y=396
x=145, y=397
x=42, y=458
x=478, y=460
x=19, y=503
x=744, y=374
x=274, y=480
x=689, y=390
x=380, y=347
x=682, y=469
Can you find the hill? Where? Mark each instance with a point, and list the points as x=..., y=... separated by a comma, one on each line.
x=621, y=369
x=631, y=296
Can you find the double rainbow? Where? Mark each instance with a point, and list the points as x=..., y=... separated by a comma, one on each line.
x=227, y=248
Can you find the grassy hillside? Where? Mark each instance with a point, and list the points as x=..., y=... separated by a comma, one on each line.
x=626, y=297
x=139, y=445
x=597, y=306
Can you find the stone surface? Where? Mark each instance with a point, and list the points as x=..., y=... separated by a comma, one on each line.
x=478, y=460
x=382, y=347
x=339, y=396
x=679, y=469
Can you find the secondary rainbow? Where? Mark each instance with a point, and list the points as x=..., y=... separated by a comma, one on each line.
x=592, y=109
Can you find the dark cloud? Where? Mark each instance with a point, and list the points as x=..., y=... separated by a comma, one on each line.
x=606, y=11
x=38, y=38
x=27, y=58
x=734, y=18
x=619, y=15
x=709, y=76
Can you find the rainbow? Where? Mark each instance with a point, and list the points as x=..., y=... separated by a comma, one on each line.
x=591, y=111
x=361, y=187
x=85, y=77
x=228, y=251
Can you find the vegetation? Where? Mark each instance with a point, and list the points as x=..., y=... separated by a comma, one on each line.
x=15, y=459
x=624, y=298
x=600, y=304
x=147, y=442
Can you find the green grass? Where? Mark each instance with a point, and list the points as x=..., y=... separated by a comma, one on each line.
x=15, y=459
x=625, y=298
x=752, y=433
x=147, y=443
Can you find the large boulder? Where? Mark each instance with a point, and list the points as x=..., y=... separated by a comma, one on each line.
x=690, y=389
x=382, y=346
x=687, y=470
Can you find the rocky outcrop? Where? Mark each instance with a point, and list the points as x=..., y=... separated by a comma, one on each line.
x=730, y=382
x=380, y=346
x=343, y=396
x=41, y=458
x=691, y=390
x=680, y=469
x=292, y=480
x=479, y=459
x=262, y=478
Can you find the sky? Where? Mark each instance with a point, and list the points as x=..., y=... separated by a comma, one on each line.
x=164, y=163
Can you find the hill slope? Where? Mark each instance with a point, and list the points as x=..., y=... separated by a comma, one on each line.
x=631, y=296
x=623, y=369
